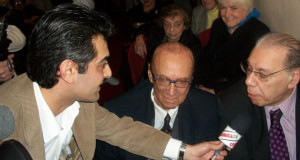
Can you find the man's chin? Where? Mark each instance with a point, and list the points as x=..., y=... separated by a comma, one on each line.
x=257, y=103
x=170, y=106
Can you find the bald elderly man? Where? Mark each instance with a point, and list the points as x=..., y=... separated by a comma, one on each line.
x=167, y=94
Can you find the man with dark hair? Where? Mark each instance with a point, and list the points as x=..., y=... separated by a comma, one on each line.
x=54, y=105
x=192, y=113
x=271, y=90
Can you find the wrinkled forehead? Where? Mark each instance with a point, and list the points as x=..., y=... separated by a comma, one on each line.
x=173, y=18
x=168, y=62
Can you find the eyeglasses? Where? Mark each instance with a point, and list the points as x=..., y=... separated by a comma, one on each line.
x=176, y=24
x=263, y=77
x=167, y=82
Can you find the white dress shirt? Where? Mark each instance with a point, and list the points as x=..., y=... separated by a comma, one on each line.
x=173, y=145
x=57, y=132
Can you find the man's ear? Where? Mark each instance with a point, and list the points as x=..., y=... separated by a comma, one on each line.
x=295, y=73
x=150, y=73
x=68, y=70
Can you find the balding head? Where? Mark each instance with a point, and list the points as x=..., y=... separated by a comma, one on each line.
x=168, y=52
x=285, y=41
x=171, y=62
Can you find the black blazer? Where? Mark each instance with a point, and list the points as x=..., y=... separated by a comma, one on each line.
x=255, y=143
x=197, y=118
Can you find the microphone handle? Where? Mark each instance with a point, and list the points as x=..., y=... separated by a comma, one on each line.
x=218, y=152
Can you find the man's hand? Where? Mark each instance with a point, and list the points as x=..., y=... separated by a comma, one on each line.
x=140, y=46
x=204, y=151
x=5, y=74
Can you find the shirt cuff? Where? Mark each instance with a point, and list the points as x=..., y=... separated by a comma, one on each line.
x=172, y=149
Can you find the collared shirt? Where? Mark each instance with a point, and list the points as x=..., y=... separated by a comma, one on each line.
x=57, y=132
x=173, y=145
x=160, y=114
x=287, y=121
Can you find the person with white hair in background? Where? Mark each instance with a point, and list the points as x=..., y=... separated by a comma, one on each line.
x=232, y=38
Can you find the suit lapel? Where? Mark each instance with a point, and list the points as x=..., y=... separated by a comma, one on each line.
x=150, y=115
x=260, y=128
x=84, y=130
x=32, y=126
x=186, y=123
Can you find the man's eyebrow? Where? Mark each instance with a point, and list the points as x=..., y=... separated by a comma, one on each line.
x=264, y=70
x=259, y=69
x=105, y=59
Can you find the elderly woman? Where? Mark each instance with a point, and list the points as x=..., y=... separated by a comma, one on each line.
x=173, y=25
x=233, y=36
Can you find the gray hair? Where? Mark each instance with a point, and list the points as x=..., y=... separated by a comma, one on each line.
x=247, y=4
x=284, y=40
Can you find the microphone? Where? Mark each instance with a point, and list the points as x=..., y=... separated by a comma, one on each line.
x=234, y=131
x=13, y=149
x=7, y=122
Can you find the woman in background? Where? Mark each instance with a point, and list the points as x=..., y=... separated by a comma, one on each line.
x=173, y=25
x=232, y=38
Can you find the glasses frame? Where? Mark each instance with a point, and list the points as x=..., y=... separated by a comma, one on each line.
x=263, y=77
x=189, y=83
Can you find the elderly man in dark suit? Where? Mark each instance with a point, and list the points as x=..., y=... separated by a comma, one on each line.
x=167, y=93
x=272, y=87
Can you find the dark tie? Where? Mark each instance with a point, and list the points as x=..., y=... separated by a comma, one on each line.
x=167, y=128
x=277, y=142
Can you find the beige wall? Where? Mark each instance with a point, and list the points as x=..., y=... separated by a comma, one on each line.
x=281, y=15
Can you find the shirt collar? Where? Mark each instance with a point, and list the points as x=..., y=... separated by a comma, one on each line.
x=159, y=112
x=287, y=107
x=52, y=125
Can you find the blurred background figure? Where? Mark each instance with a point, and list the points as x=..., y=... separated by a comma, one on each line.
x=89, y=3
x=202, y=19
x=204, y=15
x=130, y=4
x=44, y=5
x=139, y=21
x=12, y=41
x=20, y=10
x=188, y=5
x=232, y=38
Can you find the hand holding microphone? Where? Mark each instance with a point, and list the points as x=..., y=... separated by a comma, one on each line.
x=234, y=131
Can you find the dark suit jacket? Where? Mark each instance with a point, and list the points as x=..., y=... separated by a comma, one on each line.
x=197, y=118
x=255, y=143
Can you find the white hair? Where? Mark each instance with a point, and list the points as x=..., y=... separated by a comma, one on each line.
x=247, y=4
